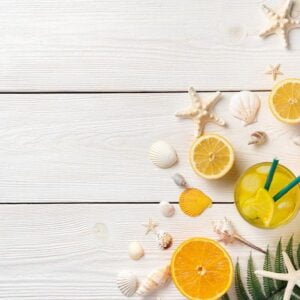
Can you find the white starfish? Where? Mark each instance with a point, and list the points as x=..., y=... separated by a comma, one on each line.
x=150, y=226
x=280, y=21
x=201, y=111
x=274, y=71
x=292, y=276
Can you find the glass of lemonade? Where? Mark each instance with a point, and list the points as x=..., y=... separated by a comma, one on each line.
x=257, y=206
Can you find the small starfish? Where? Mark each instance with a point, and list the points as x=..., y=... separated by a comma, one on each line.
x=292, y=277
x=280, y=21
x=274, y=71
x=201, y=112
x=150, y=226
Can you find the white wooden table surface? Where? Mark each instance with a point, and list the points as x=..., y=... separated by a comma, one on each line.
x=85, y=87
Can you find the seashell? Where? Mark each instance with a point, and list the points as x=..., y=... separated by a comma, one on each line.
x=135, y=250
x=257, y=138
x=244, y=106
x=163, y=155
x=167, y=209
x=179, y=180
x=164, y=239
x=127, y=283
x=296, y=140
x=156, y=279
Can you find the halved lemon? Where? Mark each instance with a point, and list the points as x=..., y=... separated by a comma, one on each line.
x=211, y=156
x=201, y=269
x=284, y=101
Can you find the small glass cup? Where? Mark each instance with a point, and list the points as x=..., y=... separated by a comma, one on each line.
x=247, y=186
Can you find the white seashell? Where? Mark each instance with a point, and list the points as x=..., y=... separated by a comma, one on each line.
x=296, y=140
x=154, y=281
x=163, y=155
x=127, y=283
x=179, y=180
x=164, y=239
x=257, y=138
x=244, y=106
x=167, y=209
x=135, y=250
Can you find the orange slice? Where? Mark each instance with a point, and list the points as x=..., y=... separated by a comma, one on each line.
x=211, y=156
x=193, y=202
x=201, y=269
x=284, y=101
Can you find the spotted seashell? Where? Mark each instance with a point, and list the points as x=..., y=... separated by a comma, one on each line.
x=135, y=250
x=167, y=209
x=257, y=138
x=244, y=106
x=127, y=283
x=179, y=180
x=164, y=239
x=163, y=155
x=156, y=279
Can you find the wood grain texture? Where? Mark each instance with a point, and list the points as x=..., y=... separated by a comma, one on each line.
x=150, y=45
x=56, y=251
x=82, y=148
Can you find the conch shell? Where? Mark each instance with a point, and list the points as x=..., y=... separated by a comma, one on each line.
x=155, y=280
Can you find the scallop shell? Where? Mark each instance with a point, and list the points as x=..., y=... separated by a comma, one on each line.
x=257, y=138
x=244, y=106
x=296, y=140
x=163, y=155
x=164, y=239
x=167, y=209
x=179, y=180
x=156, y=279
x=127, y=283
x=135, y=250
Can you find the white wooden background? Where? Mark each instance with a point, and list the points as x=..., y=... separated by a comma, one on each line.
x=85, y=87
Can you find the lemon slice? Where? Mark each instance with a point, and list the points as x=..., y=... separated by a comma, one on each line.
x=284, y=101
x=261, y=206
x=211, y=156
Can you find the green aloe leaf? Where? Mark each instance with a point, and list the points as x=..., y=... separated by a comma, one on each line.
x=269, y=284
x=289, y=250
x=278, y=295
x=225, y=297
x=239, y=286
x=298, y=255
x=253, y=283
x=279, y=265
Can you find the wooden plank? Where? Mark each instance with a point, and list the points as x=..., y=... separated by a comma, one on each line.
x=151, y=45
x=80, y=148
x=57, y=251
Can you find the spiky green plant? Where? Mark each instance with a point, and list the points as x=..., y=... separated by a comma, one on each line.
x=270, y=289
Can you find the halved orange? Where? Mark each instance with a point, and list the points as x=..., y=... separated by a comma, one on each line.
x=284, y=101
x=201, y=269
x=211, y=156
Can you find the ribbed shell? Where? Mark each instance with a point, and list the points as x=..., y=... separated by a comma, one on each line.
x=154, y=281
x=163, y=155
x=244, y=106
x=127, y=283
x=257, y=138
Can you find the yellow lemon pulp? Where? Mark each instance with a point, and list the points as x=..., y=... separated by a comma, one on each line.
x=211, y=156
x=201, y=269
x=285, y=101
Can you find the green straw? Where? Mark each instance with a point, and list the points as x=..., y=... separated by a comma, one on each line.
x=271, y=174
x=287, y=188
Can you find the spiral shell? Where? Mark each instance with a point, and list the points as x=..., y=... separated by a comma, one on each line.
x=135, y=250
x=244, y=106
x=163, y=155
x=164, y=239
x=257, y=138
x=179, y=180
x=127, y=283
x=155, y=280
x=167, y=209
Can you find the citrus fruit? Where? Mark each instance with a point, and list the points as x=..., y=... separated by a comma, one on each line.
x=193, y=202
x=201, y=269
x=261, y=206
x=284, y=101
x=211, y=156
